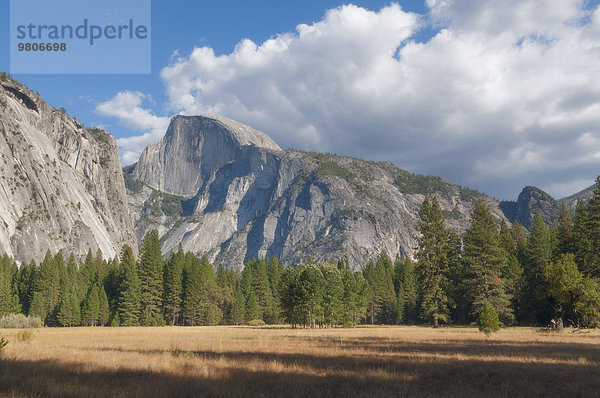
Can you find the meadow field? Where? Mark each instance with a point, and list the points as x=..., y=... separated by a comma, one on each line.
x=271, y=361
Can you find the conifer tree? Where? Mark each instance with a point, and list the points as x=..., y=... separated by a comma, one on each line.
x=37, y=306
x=103, y=307
x=488, y=319
x=90, y=309
x=592, y=268
x=458, y=298
x=9, y=297
x=333, y=294
x=581, y=237
x=73, y=280
x=380, y=279
x=252, y=307
x=356, y=296
x=192, y=291
x=275, y=272
x=100, y=268
x=565, y=231
x=370, y=276
x=399, y=287
x=114, y=278
x=507, y=241
x=25, y=279
x=512, y=276
x=69, y=310
x=129, y=290
x=173, y=285
x=261, y=287
x=310, y=289
x=290, y=296
x=534, y=306
x=151, y=279
x=236, y=316
x=484, y=260
x=432, y=257
x=512, y=271
x=209, y=311
x=88, y=273
x=225, y=293
x=519, y=234
x=407, y=290
x=350, y=294
x=47, y=284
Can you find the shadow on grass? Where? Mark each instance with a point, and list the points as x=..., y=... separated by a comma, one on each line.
x=384, y=368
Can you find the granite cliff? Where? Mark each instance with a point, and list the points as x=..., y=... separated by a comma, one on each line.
x=61, y=185
x=530, y=200
x=228, y=191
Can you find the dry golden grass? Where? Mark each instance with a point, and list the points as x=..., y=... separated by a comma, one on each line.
x=243, y=361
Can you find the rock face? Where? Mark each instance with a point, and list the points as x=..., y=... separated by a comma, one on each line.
x=61, y=185
x=585, y=195
x=530, y=200
x=226, y=190
x=181, y=162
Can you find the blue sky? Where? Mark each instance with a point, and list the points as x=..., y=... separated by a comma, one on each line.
x=491, y=95
x=177, y=26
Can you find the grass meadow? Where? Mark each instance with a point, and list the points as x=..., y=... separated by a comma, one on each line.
x=271, y=361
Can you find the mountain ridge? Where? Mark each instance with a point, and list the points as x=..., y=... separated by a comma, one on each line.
x=219, y=187
x=254, y=201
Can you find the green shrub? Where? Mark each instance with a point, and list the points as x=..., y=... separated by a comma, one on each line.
x=25, y=335
x=488, y=319
x=256, y=322
x=132, y=183
x=3, y=344
x=171, y=204
x=182, y=354
x=99, y=134
x=20, y=321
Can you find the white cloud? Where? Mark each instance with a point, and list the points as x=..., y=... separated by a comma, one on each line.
x=499, y=98
x=126, y=106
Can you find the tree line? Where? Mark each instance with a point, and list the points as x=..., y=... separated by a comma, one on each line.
x=182, y=289
x=548, y=275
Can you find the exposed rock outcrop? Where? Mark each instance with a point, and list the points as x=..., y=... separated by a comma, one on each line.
x=240, y=196
x=585, y=195
x=181, y=162
x=530, y=200
x=61, y=185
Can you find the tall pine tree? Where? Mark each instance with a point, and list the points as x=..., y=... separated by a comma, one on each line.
x=534, y=306
x=592, y=267
x=565, y=232
x=484, y=261
x=129, y=290
x=173, y=286
x=151, y=279
x=432, y=261
x=581, y=238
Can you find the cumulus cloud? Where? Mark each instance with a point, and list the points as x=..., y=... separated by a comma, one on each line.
x=126, y=106
x=505, y=94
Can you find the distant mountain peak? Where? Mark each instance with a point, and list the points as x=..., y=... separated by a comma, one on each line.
x=585, y=195
x=530, y=200
x=241, y=133
x=193, y=148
